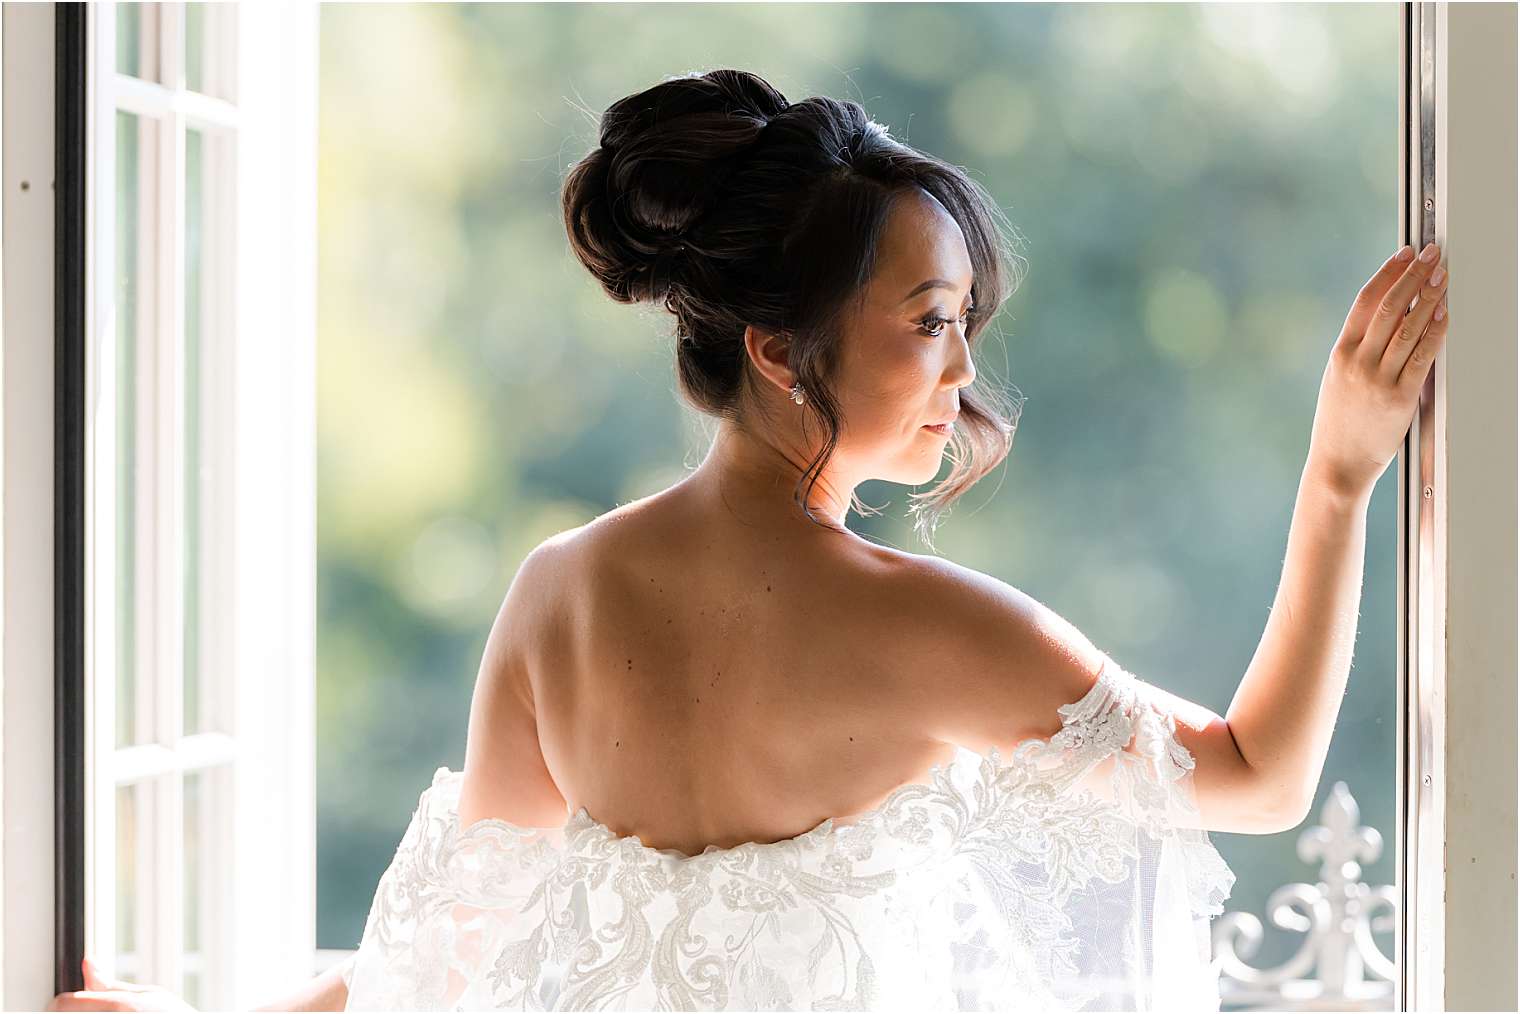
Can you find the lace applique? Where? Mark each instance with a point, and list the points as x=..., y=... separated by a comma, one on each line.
x=1063, y=875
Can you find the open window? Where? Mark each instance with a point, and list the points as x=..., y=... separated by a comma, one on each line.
x=185, y=526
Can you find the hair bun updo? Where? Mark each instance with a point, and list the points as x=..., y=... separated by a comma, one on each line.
x=630, y=206
x=715, y=196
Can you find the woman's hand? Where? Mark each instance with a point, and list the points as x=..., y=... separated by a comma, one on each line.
x=102, y=993
x=1371, y=387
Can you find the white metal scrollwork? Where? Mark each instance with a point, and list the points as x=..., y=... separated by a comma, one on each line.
x=1338, y=966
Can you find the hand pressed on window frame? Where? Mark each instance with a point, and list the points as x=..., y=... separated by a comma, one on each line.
x=1372, y=383
x=104, y=993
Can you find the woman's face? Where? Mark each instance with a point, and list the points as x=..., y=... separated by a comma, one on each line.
x=904, y=359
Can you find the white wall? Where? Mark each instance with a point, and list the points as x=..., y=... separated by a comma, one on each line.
x=26, y=486
x=1476, y=180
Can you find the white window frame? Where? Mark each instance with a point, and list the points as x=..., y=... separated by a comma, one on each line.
x=1458, y=938
x=275, y=496
x=1457, y=947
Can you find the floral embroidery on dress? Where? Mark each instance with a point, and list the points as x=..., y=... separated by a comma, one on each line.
x=1049, y=879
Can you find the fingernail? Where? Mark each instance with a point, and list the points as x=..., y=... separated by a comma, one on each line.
x=1441, y=311
x=1436, y=275
x=1405, y=253
x=1429, y=253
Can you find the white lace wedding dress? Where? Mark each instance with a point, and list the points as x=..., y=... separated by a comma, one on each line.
x=1068, y=875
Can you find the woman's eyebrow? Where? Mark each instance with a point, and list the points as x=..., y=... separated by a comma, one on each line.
x=932, y=283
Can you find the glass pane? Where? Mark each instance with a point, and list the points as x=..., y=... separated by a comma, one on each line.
x=205, y=24
x=192, y=978
x=195, y=469
x=204, y=471
x=128, y=854
x=137, y=33
x=136, y=213
x=195, y=820
x=206, y=899
x=195, y=46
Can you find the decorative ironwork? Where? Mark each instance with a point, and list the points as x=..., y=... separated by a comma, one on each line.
x=1338, y=966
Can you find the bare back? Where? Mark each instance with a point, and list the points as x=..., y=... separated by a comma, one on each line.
x=709, y=686
x=695, y=680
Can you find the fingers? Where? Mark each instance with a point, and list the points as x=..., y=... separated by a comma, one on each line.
x=1372, y=293
x=86, y=999
x=1414, y=324
x=97, y=981
x=1394, y=306
x=1417, y=367
x=92, y=977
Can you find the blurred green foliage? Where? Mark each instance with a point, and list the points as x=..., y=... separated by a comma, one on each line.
x=1202, y=190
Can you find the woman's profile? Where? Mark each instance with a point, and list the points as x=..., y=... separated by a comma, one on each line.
x=724, y=753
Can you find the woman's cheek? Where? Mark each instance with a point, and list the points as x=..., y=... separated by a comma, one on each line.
x=904, y=364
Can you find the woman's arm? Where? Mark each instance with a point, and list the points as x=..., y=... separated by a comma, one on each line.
x=1000, y=653
x=1283, y=713
x=328, y=991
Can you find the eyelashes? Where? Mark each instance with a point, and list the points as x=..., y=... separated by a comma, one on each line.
x=936, y=319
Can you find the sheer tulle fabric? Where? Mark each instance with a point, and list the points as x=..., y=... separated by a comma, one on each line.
x=1068, y=875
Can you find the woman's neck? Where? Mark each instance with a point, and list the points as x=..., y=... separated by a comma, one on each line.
x=755, y=479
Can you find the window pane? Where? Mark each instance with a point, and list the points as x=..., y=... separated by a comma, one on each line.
x=195, y=46
x=194, y=816
x=207, y=833
x=195, y=468
x=137, y=34
x=204, y=418
x=128, y=855
x=136, y=212
x=205, y=71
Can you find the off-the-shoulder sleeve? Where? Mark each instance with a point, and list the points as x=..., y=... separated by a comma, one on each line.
x=442, y=906
x=1085, y=880
x=1068, y=874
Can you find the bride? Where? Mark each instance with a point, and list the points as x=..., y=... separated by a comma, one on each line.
x=725, y=754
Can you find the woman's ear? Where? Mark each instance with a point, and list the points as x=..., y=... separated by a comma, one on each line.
x=769, y=353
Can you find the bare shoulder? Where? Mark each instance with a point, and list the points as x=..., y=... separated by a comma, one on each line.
x=548, y=575
x=529, y=610
x=505, y=775
x=545, y=598
x=997, y=662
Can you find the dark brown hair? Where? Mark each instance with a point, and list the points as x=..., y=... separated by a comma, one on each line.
x=712, y=194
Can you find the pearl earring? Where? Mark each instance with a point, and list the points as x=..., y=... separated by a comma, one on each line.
x=797, y=394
